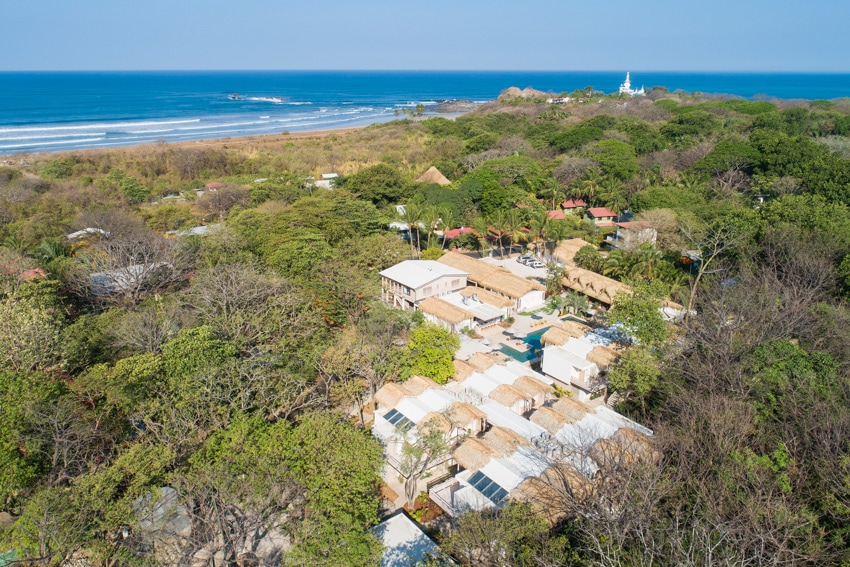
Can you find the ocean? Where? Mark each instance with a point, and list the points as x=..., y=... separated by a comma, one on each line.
x=57, y=111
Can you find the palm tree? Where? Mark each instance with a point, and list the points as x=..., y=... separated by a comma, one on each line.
x=515, y=227
x=540, y=226
x=481, y=227
x=616, y=265
x=498, y=223
x=555, y=233
x=412, y=216
x=430, y=218
x=589, y=185
x=448, y=221
x=551, y=187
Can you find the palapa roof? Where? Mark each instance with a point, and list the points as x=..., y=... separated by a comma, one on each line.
x=444, y=310
x=636, y=442
x=556, y=336
x=532, y=386
x=481, y=361
x=463, y=414
x=571, y=408
x=554, y=491
x=488, y=276
x=573, y=328
x=462, y=370
x=434, y=421
x=593, y=285
x=503, y=441
x=507, y=395
x=488, y=297
x=391, y=394
x=603, y=356
x=433, y=175
x=625, y=448
x=473, y=454
x=567, y=249
x=549, y=419
x=417, y=384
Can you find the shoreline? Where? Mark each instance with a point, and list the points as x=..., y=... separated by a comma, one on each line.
x=229, y=141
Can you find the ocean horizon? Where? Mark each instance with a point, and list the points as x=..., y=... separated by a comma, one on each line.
x=48, y=111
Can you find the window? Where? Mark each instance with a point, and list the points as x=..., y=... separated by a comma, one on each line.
x=397, y=419
x=488, y=487
x=455, y=283
x=427, y=290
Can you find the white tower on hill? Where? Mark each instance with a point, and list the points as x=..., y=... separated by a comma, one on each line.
x=626, y=88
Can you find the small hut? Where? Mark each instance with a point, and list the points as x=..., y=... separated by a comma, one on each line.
x=463, y=370
x=418, y=384
x=571, y=408
x=550, y=420
x=473, y=454
x=511, y=398
x=390, y=395
x=433, y=175
x=603, y=357
x=538, y=391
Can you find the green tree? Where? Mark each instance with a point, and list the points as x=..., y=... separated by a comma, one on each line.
x=382, y=184
x=639, y=314
x=430, y=352
x=636, y=374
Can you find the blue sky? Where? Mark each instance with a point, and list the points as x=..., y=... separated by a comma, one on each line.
x=723, y=35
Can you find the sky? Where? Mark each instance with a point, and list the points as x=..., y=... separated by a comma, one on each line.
x=586, y=35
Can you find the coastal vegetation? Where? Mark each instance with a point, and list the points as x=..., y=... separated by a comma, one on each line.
x=170, y=397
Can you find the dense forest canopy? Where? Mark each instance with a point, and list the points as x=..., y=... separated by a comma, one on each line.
x=233, y=370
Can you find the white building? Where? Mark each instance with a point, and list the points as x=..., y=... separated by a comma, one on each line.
x=626, y=88
x=408, y=283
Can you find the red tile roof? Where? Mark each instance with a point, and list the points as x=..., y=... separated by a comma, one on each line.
x=573, y=203
x=559, y=215
x=455, y=232
x=599, y=212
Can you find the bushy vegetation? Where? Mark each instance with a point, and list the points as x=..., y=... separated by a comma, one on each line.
x=238, y=368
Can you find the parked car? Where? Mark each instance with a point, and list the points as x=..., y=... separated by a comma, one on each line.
x=525, y=259
x=536, y=264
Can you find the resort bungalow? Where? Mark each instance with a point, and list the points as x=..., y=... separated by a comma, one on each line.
x=524, y=294
x=573, y=372
x=632, y=234
x=408, y=283
x=602, y=217
x=503, y=425
x=596, y=286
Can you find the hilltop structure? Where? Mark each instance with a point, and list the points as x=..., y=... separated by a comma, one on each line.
x=626, y=88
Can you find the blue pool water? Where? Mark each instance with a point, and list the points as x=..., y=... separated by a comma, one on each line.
x=517, y=355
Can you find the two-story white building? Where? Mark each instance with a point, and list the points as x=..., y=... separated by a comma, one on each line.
x=408, y=283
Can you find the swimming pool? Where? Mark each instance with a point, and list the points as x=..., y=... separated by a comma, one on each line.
x=534, y=339
x=517, y=355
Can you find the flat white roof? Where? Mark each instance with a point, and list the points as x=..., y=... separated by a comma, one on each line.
x=481, y=310
x=418, y=273
x=578, y=347
x=405, y=544
x=497, y=414
x=558, y=362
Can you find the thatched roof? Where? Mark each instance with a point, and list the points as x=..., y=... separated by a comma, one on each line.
x=503, y=441
x=444, y=310
x=490, y=277
x=550, y=494
x=593, y=285
x=481, y=361
x=473, y=454
x=637, y=443
x=563, y=331
x=391, y=394
x=463, y=370
x=672, y=305
x=567, y=249
x=433, y=175
x=603, y=356
x=549, y=419
x=571, y=408
x=533, y=387
x=508, y=395
x=434, y=421
x=418, y=384
x=555, y=336
x=463, y=414
x=487, y=297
